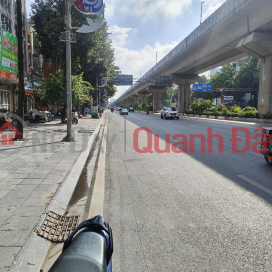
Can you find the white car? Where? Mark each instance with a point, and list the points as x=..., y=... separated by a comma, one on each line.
x=169, y=112
x=123, y=111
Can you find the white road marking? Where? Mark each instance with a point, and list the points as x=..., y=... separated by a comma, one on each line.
x=268, y=191
x=246, y=138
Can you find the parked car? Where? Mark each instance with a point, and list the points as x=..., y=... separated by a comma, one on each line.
x=123, y=111
x=169, y=112
x=131, y=109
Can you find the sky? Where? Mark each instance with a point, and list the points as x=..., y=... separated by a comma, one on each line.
x=144, y=29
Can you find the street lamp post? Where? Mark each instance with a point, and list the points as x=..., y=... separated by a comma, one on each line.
x=68, y=137
x=201, y=12
x=157, y=57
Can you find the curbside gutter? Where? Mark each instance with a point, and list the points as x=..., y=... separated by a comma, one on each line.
x=250, y=120
x=33, y=253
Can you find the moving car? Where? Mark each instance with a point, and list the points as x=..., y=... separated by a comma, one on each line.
x=131, y=109
x=123, y=111
x=169, y=112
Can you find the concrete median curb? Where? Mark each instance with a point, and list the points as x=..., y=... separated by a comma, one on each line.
x=32, y=255
x=248, y=120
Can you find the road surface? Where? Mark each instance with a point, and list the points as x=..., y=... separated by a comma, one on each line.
x=186, y=212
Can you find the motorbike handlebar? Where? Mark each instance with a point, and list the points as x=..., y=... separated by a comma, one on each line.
x=90, y=250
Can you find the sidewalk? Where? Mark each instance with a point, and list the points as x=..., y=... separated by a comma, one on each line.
x=31, y=172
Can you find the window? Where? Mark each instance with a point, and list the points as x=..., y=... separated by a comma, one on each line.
x=4, y=99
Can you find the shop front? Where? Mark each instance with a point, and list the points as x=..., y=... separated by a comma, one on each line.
x=8, y=71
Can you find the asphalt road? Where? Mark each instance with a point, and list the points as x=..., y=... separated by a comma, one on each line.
x=187, y=211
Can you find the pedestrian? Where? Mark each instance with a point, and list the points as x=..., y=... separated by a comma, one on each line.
x=74, y=109
x=62, y=113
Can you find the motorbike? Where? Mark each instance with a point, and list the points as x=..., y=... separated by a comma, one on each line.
x=50, y=116
x=3, y=120
x=75, y=118
x=266, y=145
x=90, y=250
x=38, y=116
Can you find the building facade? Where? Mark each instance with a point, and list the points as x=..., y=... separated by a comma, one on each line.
x=8, y=23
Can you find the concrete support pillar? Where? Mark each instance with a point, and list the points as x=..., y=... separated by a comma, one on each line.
x=181, y=98
x=184, y=91
x=156, y=91
x=265, y=88
x=143, y=100
x=143, y=97
x=156, y=101
x=187, y=97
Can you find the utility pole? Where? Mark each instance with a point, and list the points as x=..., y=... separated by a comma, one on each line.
x=21, y=93
x=68, y=137
x=97, y=91
x=157, y=57
x=201, y=12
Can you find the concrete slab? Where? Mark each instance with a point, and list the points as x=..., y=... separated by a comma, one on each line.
x=19, y=223
x=31, y=181
x=13, y=238
x=23, y=206
x=7, y=255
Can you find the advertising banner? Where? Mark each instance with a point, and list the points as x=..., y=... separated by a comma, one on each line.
x=8, y=56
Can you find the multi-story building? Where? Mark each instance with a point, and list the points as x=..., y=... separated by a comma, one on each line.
x=8, y=27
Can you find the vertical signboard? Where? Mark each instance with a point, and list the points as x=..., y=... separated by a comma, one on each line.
x=8, y=56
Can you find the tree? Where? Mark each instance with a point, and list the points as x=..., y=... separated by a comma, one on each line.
x=204, y=79
x=54, y=90
x=92, y=54
x=167, y=97
x=248, y=76
x=224, y=79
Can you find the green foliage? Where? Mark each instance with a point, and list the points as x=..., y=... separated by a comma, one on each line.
x=144, y=106
x=248, y=76
x=224, y=79
x=138, y=107
x=3, y=111
x=200, y=105
x=248, y=112
x=168, y=97
x=80, y=90
x=54, y=89
x=204, y=79
x=92, y=54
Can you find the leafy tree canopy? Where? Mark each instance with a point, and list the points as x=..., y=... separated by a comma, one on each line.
x=54, y=89
x=92, y=54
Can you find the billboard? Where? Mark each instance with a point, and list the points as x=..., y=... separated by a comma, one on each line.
x=123, y=80
x=8, y=56
x=164, y=81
